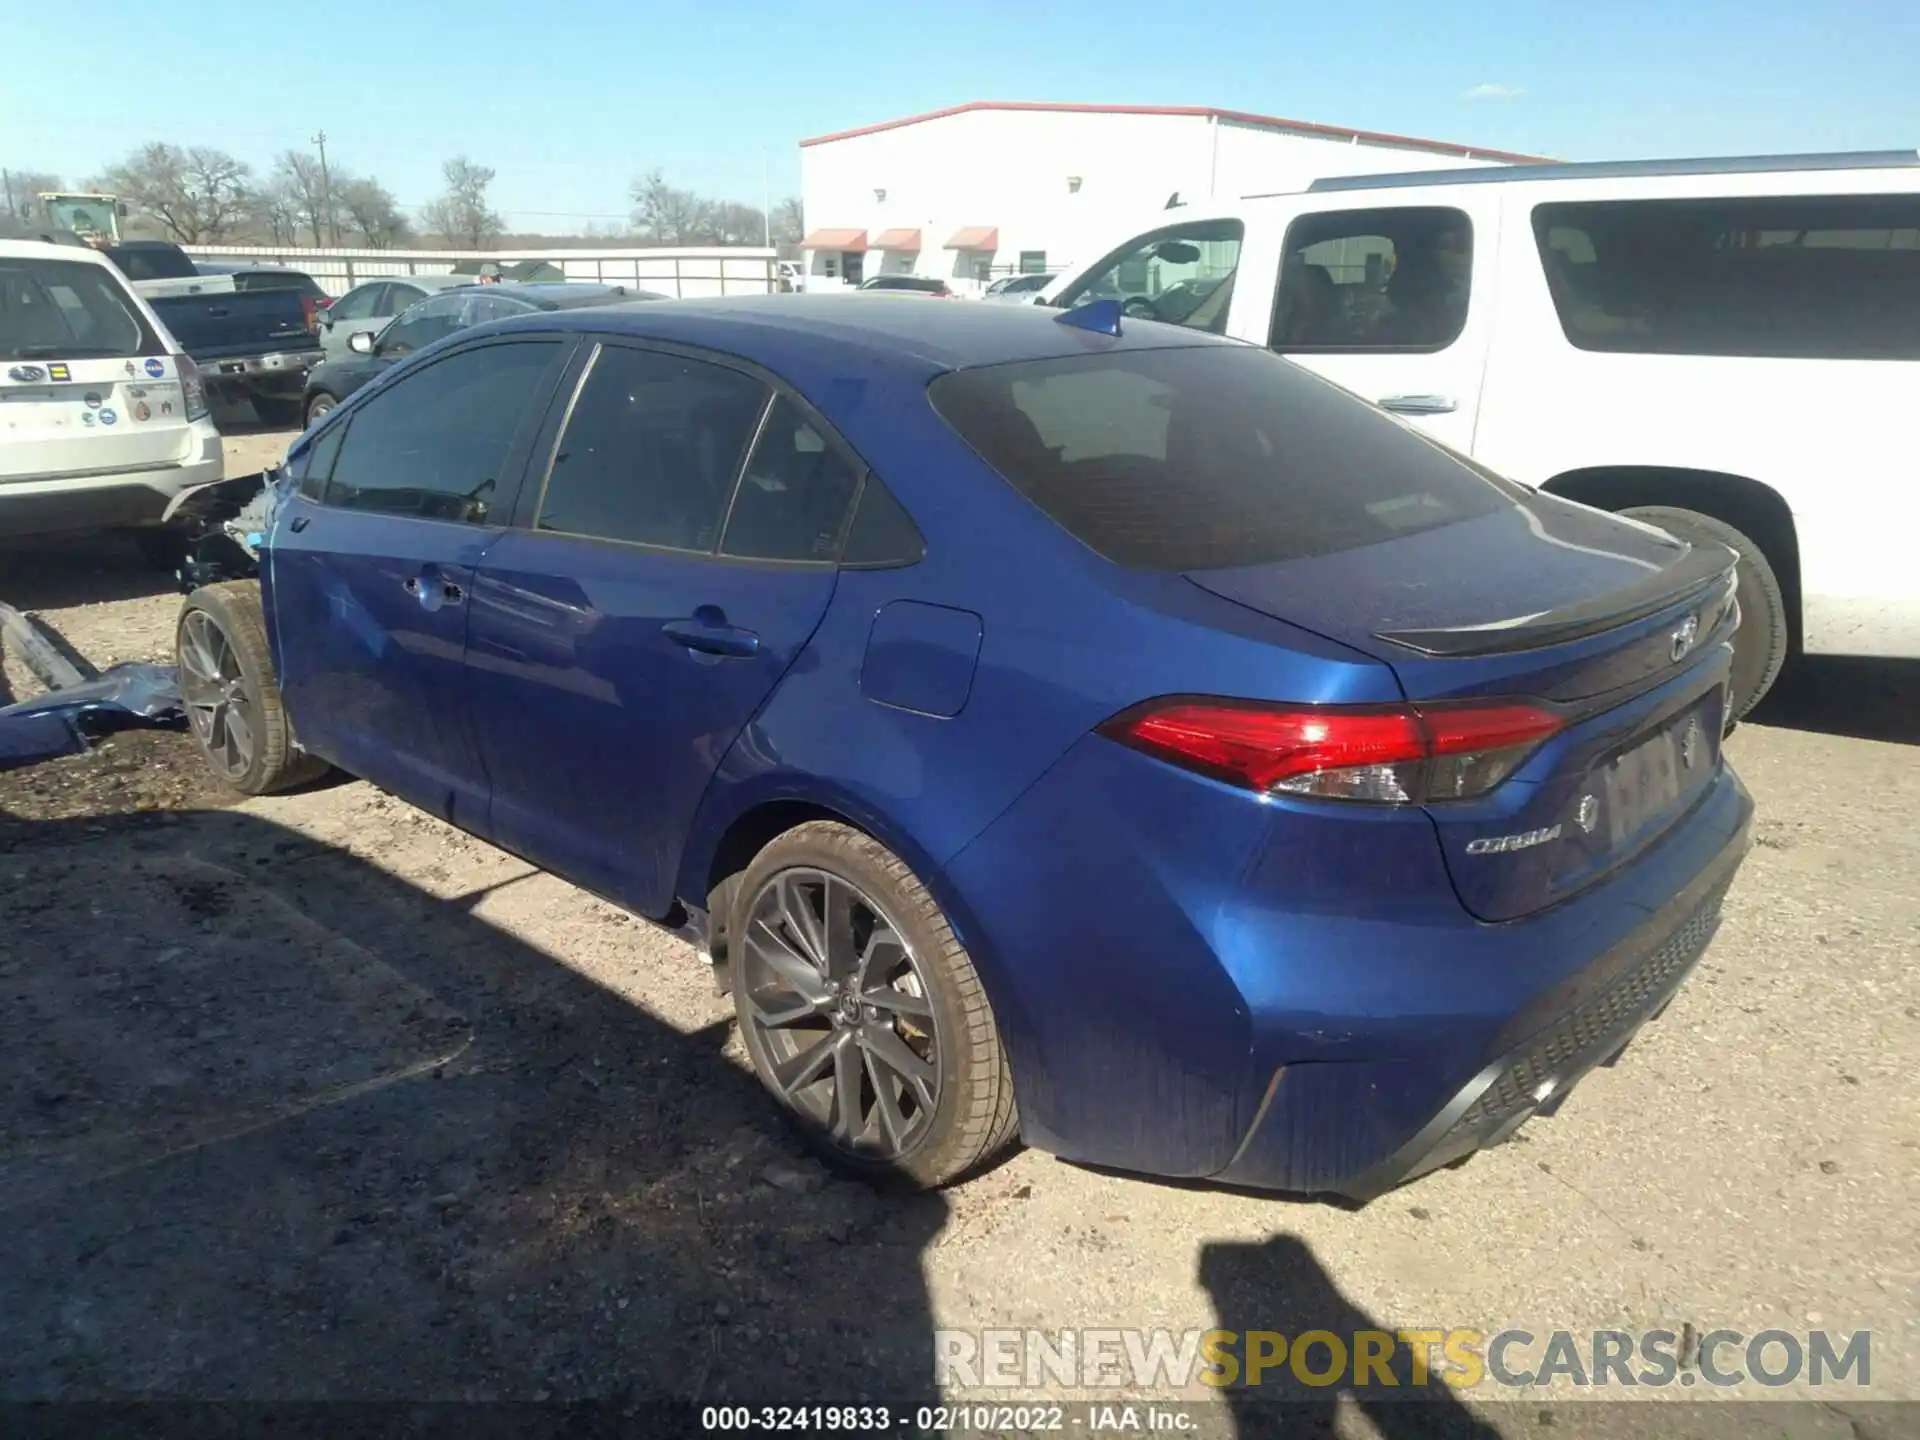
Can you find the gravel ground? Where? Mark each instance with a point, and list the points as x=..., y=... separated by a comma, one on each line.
x=315, y=1097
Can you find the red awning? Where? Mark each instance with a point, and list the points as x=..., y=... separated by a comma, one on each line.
x=835, y=240
x=975, y=237
x=907, y=242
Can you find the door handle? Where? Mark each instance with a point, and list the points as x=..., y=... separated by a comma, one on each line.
x=713, y=639
x=424, y=590
x=299, y=523
x=1418, y=404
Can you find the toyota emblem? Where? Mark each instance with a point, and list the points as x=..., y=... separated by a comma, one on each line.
x=1683, y=638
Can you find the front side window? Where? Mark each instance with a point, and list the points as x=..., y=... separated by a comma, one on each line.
x=1809, y=277
x=434, y=444
x=1206, y=457
x=358, y=304
x=1182, y=275
x=425, y=323
x=793, y=498
x=1386, y=279
x=651, y=450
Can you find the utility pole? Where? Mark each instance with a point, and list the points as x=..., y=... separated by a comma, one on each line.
x=326, y=191
x=6, y=177
x=766, y=198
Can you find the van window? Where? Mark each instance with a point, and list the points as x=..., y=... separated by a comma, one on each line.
x=1181, y=274
x=1831, y=277
x=1207, y=457
x=1395, y=279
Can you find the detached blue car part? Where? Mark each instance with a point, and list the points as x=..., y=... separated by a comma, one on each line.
x=77, y=711
x=1095, y=728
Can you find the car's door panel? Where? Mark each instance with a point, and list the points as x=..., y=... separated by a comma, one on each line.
x=609, y=675
x=426, y=473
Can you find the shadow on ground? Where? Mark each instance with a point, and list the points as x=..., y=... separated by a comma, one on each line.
x=51, y=574
x=275, y=1125
x=1862, y=699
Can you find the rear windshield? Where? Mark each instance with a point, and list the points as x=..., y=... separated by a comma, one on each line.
x=1208, y=458
x=67, y=310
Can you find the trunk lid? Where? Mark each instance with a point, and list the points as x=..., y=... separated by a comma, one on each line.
x=237, y=324
x=1622, y=629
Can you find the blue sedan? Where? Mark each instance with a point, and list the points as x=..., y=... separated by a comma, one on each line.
x=1066, y=727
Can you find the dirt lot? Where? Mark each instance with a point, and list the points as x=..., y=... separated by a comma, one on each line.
x=314, y=1097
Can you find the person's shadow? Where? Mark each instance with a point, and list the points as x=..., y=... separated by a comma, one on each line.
x=1279, y=1289
x=278, y=1126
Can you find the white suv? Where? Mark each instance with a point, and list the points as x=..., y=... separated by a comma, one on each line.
x=103, y=418
x=1728, y=349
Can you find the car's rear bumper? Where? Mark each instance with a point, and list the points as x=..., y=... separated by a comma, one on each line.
x=54, y=505
x=1583, y=1023
x=280, y=375
x=1197, y=982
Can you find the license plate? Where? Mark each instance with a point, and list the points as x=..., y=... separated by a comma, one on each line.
x=1650, y=779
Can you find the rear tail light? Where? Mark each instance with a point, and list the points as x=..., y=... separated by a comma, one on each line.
x=193, y=390
x=1386, y=754
x=312, y=312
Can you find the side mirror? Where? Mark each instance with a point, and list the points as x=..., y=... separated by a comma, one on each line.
x=361, y=342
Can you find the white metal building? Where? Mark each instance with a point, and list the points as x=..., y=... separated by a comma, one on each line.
x=992, y=187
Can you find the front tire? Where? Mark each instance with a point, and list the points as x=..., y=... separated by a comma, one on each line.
x=1761, y=643
x=862, y=1012
x=318, y=407
x=231, y=696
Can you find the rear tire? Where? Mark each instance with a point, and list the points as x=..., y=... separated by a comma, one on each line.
x=943, y=1116
x=276, y=410
x=231, y=695
x=318, y=407
x=1760, y=645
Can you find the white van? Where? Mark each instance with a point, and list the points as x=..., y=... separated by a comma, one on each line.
x=103, y=418
x=1729, y=349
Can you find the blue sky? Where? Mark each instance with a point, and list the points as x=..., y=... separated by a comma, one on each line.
x=568, y=100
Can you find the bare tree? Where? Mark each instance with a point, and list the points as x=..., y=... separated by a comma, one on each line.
x=296, y=175
x=372, y=211
x=789, y=222
x=667, y=215
x=274, y=214
x=461, y=214
x=20, y=206
x=195, y=195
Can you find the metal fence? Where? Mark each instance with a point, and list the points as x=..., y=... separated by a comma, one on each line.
x=680, y=272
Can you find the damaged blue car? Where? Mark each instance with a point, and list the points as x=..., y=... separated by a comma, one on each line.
x=1066, y=727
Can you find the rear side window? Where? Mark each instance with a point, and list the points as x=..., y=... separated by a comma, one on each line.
x=1392, y=279
x=435, y=443
x=67, y=310
x=651, y=450
x=794, y=496
x=1798, y=277
x=1207, y=458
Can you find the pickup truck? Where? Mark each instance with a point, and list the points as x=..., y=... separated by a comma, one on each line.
x=250, y=344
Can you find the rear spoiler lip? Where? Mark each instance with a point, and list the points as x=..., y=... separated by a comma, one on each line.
x=1691, y=576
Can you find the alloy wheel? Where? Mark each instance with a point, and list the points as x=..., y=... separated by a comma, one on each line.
x=838, y=1014
x=220, y=707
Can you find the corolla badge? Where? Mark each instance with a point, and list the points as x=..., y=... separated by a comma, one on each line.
x=1502, y=844
x=26, y=374
x=1681, y=641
